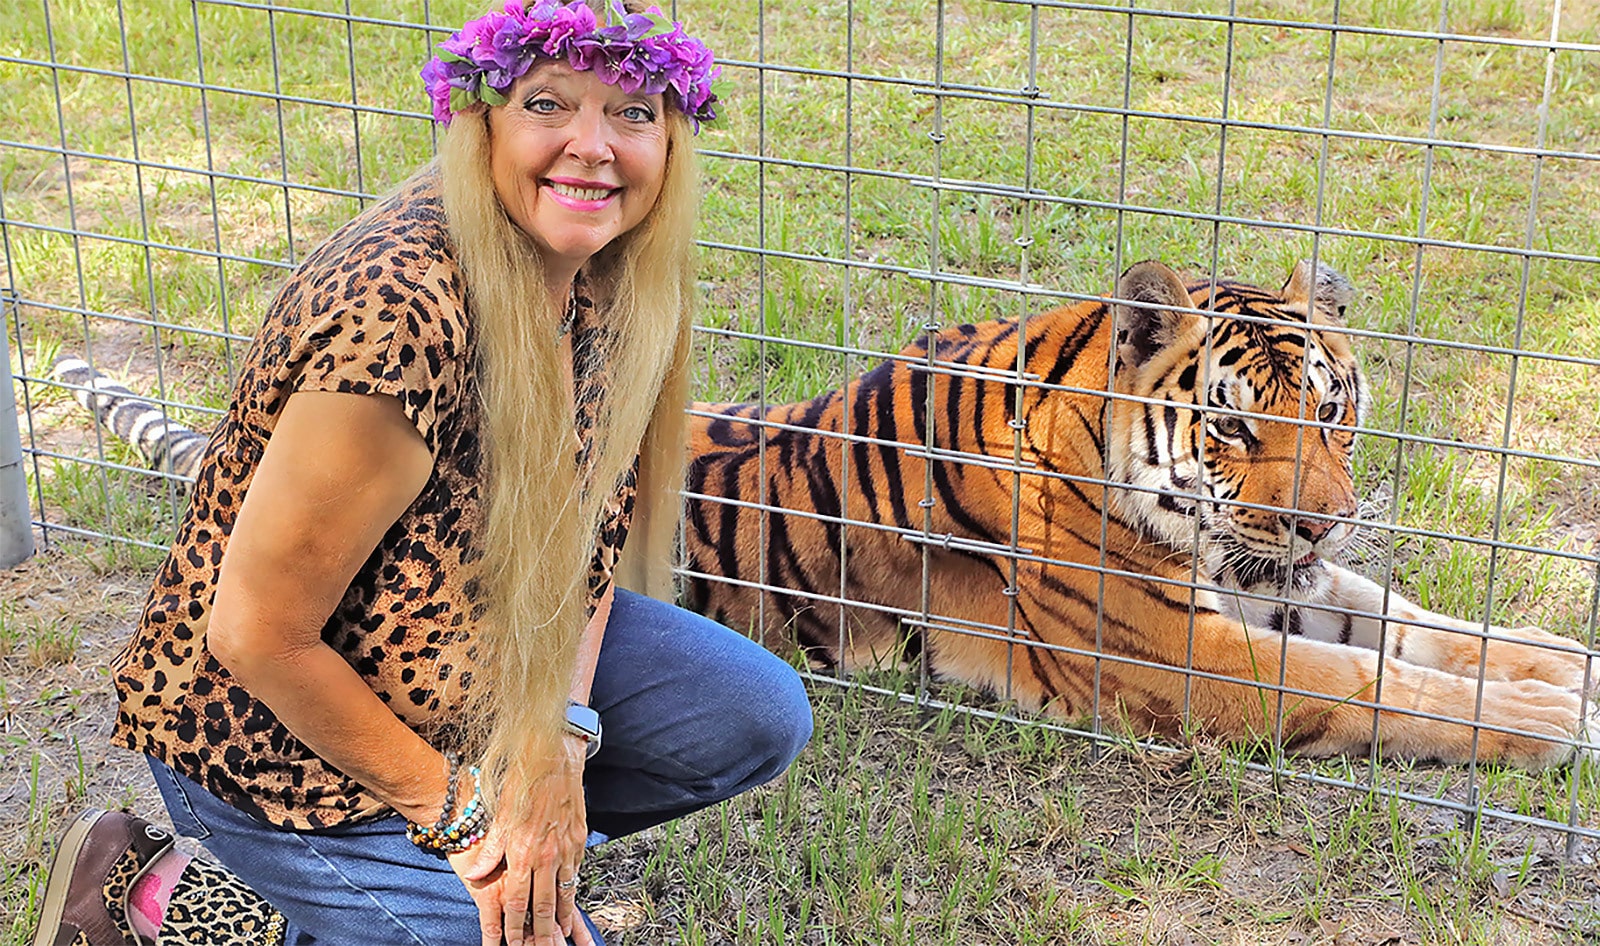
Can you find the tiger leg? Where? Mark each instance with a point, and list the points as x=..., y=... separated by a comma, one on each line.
x=1425, y=713
x=1418, y=636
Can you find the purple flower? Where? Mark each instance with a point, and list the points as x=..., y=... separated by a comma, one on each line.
x=508, y=45
x=435, y=77
x=640, y=53
x=456, y=46
x=648, y=68
x=478, y=37
x=582, y=57
x=608, y=68
x=567, y=24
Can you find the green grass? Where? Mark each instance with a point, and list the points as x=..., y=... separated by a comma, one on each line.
x=861, y=841
x=904, y=827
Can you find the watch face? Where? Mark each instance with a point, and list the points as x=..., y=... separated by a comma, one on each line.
x=585, y=723
x=583, y=720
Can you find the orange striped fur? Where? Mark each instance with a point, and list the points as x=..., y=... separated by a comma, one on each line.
x=1186, y=497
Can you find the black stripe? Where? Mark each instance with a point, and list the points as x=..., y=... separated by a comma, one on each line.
x=784, y=570
x=1091, y=428
x=722, y=431
x=953, y=506
x=815, y=408
x=1073, y=345
x=883, y=395
x=1171, y=503
x=699, y=593
x=698, y=468
x=824, y=496
x=952, y=412
x=918, y=383
x=1151, y=456
x=860, y=451
x=727, y=547
x=980, y=393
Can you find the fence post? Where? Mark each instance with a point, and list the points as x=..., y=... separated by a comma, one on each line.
x=16, y=525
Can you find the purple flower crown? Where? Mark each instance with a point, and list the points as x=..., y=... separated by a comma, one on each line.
x=638, y=52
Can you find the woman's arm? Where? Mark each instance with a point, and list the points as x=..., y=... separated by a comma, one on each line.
x=589, y=647
x=336, y=474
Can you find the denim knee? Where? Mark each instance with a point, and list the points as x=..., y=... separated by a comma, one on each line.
x=780, y=724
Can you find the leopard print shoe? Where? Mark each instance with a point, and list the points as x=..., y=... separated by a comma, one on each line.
x=100, y=857
x=210, y=906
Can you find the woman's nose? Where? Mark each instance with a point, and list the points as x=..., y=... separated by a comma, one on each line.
x=590, y=142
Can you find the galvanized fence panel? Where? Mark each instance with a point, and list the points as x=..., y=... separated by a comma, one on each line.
x=885, y=171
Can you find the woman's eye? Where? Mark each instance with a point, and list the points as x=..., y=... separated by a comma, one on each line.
x=638, y=113
x=542, y=105
x=1328, y=412
x=1230, y=427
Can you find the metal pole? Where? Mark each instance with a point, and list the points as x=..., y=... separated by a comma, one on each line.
x=16, y=525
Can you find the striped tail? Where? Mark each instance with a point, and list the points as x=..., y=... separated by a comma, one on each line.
x=164, y=443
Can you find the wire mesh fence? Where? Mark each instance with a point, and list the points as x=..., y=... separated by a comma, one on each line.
x=886, y=174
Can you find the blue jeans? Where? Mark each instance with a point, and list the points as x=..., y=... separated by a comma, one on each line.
x=693, y=714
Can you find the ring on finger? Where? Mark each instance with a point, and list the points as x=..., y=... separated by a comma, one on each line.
x=569, y=883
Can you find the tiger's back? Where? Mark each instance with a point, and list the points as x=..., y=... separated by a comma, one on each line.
x=852, y=504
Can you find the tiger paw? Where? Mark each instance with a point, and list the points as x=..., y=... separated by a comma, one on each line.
x=1548, y=657
x=1546, y=723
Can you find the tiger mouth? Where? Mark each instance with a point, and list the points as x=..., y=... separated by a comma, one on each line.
x=1254, y=570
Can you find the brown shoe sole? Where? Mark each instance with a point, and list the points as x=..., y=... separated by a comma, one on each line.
x=55, y=894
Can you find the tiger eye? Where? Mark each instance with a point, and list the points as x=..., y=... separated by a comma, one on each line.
x=1231, y=427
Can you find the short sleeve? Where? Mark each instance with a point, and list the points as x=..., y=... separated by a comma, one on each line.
x=404, y=340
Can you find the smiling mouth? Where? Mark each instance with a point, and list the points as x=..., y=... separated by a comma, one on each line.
x=582, y=193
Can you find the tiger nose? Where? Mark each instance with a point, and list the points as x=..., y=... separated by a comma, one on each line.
x=1312, y=530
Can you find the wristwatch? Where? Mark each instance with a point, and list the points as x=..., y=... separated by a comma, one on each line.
x=584, y=723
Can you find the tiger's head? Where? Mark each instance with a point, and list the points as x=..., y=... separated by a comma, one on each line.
x=1261, y=477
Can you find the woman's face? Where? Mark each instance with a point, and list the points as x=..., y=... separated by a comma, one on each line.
x=576, y=162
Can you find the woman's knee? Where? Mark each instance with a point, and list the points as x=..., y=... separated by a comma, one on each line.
x=779, y=719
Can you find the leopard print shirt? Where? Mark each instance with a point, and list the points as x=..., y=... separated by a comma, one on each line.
x=378, y=309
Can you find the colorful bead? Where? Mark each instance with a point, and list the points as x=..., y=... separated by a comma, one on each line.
x=454, y=836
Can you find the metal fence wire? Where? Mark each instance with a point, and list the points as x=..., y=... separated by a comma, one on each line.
x=885, y=171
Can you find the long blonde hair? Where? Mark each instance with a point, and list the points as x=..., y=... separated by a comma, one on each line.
x=540, y=520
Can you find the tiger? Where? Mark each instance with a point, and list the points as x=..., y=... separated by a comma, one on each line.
x=1185, y=527
x=1138, y=518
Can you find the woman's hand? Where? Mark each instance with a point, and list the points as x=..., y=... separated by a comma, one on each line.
x=517, y=870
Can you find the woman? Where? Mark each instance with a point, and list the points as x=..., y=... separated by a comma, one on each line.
x=365, y=674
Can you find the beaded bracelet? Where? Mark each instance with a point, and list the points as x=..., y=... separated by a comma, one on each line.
x=452, y=836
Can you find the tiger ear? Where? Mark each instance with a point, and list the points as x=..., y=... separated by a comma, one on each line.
x=1333, y=291
x=1144, y=329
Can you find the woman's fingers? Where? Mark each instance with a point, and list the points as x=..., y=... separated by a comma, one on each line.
x=567, y=899
x=477, y=870
x=518, y=886
x=489, y=915
x=580, y=932
x=545, y=931
x=520, y=865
